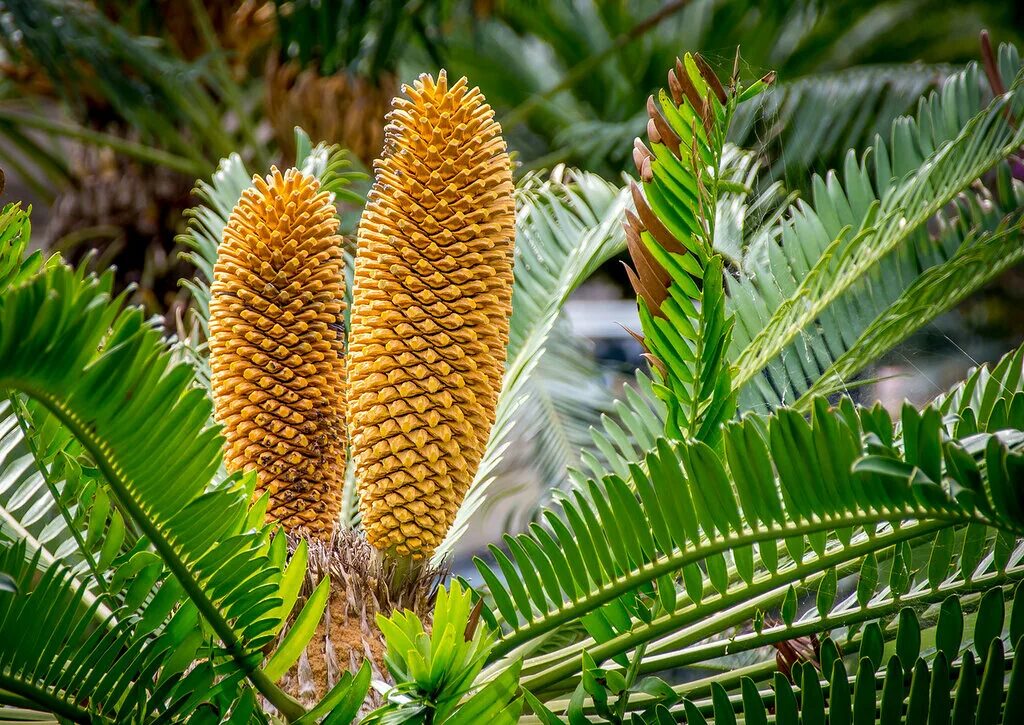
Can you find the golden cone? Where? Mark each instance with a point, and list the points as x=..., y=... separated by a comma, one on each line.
x=276, y=352
x=431, y=305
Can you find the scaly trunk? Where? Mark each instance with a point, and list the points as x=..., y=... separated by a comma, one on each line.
x=348, y=633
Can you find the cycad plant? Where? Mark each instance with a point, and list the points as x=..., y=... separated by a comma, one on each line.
x=741, y=541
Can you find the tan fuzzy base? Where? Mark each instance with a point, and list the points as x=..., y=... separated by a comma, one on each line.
x=348, y=634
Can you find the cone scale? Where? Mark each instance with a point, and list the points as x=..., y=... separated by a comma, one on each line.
x=276, y=353
x=431, y=304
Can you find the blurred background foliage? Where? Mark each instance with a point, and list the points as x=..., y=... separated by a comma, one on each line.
x=111, y=109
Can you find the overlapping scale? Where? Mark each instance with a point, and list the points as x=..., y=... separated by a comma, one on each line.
x=431, y=305
x=276, y=349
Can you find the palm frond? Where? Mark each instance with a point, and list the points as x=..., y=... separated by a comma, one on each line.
x=105, y=375
x=986, y=242
x=52, y=657
x=611, y=557
x=678, y=275
x=811, y=120
x=835, y=268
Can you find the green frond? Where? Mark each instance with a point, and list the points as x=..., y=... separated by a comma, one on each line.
x=988, y=400
x=961, y=565
x=53, y=500
x=631, y=429
x=436, y=670
x=748, y=209
x=52, y=656
x=105, y=375
x=802, y=123
x=908, y=688
x=50, y=493
x=828, y=488
x=825, y=288
x=881, y=675
x=678, y=273
x=15, y=233
x=986, y=240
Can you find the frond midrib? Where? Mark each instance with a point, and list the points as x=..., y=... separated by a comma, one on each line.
x=743, y=604
x=51, y=702
x=165, y=546
x=666, y=564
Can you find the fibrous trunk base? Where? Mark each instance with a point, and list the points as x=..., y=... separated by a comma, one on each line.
x=348, y=635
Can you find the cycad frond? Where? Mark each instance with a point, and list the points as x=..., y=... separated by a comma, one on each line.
x=678, y=272
x=53, y=500
x=986, y=240
x=431, y=302
x=893, y=678
x=612, y=557
x=53, y=656
x=107, y=377
x=839, y=264
x=51, y=494
x=817, y=118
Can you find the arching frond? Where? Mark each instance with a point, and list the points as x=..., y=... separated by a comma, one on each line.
x=612, y=557
x=892, y=674
x=815, y=119
x=982, y=255
x=105, y=375
x=50, y=493
x=823, y=298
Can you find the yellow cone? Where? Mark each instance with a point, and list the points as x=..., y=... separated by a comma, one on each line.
x=431, y=304
x=276, y=352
